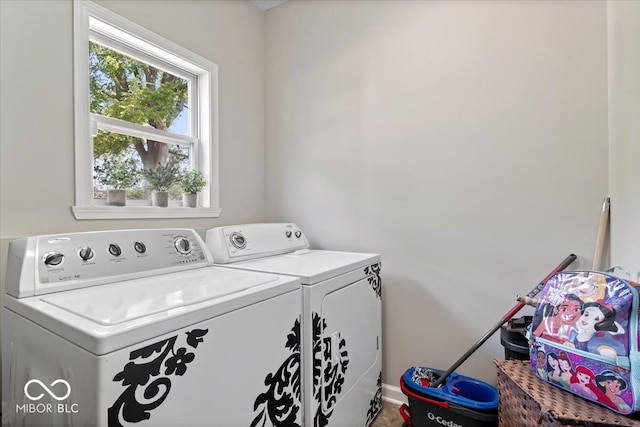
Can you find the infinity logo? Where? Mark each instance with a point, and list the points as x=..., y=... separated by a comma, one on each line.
x=52, y=394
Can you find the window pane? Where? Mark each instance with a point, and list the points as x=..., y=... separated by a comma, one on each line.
x=181, y=124
x=117, y=161
x=125, y=88
x=151, y=102
x=117, y=169
x=178, y=155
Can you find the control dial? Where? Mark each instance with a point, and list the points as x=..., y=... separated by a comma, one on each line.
x=238, y=240
x=115, y=250
x=182, y=245
x=140, y=247
x=86, y=253
x=298, y=234
x=53, y=259
x=288, y=234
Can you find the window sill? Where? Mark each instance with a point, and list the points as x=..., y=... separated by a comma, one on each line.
x=142, y=212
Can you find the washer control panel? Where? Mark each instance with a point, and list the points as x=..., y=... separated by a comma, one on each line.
x=75, y=260
x=242, y=242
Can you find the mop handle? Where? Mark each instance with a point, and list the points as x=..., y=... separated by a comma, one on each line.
x=602, y=231
x=516, y=308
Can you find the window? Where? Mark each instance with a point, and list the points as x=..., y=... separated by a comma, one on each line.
x=142, y=105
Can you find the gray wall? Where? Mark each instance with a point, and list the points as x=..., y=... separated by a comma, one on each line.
x=37, y=180
x=36, y=110
x=624, y=133
x=464, y=141
x=467, y=142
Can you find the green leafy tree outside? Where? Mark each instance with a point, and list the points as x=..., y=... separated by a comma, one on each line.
x=127, y=89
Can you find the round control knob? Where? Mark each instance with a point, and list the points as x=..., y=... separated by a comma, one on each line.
x=288, y=234
x=237, y=240
x=182, y=245
x=298, y=234
x=140, y=247
x=86, y=253
x=114, y=249
x=53, y=259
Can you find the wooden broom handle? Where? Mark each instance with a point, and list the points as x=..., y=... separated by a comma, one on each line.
x=602, y=232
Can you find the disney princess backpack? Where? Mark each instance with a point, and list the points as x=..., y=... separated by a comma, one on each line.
x=584, y=338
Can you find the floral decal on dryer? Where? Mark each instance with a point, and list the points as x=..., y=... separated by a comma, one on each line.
x=280, y=404
x=373, y=276
x=375, y=406
x=143, y=366
x=328, y=374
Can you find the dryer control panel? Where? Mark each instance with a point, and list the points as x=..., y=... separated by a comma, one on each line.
x=243, y=242
x=45, y=264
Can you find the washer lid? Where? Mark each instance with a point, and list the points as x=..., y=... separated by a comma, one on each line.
x=312, y=266
x=105, y=318
x=111, y=305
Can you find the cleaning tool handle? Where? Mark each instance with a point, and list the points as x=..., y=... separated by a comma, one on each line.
x=516, y=308
x=405, y=413
x=535, y=291
x=602, y=231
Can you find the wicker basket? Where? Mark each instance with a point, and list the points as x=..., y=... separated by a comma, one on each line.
x=525, y=401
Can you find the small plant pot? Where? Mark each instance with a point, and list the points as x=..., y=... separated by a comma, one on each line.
x=160, y=198
x=116, y=197
x=190, y=200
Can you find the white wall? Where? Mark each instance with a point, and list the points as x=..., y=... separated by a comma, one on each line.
x=37, y=181
x=36, y=110
x=464, y=141
x=624, y=133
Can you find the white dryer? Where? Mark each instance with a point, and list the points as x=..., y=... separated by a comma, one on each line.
x=342, y=309
x=137, y=328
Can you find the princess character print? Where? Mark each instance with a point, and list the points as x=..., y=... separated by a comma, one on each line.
x=584, y=338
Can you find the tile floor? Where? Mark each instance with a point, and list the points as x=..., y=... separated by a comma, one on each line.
x=389, y=417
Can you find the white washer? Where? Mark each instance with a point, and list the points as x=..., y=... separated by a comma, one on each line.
x=342, y=310
x=137, y=328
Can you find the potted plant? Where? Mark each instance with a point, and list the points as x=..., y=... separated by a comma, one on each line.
x=118, y=174
x=161, y=178
x=192, y=182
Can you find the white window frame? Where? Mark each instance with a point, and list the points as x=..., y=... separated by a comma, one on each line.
x=89, y=20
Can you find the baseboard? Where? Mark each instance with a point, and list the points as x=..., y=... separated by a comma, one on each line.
x=393, y=394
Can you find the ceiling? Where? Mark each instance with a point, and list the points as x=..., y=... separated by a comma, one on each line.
x=263, y=5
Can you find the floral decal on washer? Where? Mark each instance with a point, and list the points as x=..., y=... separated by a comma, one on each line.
x=375, y=406
x=144, y=365
x=328, y=375
x=280, y=404
x=373, y=276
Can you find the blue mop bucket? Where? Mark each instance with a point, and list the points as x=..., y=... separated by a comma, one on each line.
x=461, y=401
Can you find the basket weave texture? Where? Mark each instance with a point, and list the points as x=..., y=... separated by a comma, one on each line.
x=526, y=400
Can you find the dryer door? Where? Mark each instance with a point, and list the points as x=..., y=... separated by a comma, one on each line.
x=351, y=360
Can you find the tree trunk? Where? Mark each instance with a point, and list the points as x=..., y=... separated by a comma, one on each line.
x=154, y=154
